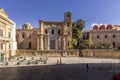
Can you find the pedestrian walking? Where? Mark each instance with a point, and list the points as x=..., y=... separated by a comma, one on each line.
x=87, y=67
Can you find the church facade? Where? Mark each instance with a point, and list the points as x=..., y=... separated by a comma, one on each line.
x=104, y=36
x=49, y=35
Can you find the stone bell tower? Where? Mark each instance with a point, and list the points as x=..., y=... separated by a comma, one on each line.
x=67, y=29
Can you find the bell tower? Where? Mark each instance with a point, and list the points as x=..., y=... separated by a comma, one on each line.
x=68, y=27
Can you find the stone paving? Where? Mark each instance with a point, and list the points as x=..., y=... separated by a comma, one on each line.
x=61, y=69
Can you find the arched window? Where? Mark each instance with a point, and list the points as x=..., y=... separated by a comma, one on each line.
x=87, y=36
x=113, y=36
x=68, y=33
x=114, y=44
x=68, y=15
x=59, y=32
x=29, y=45
x=52, y=31
x=105, y=36
x=98, y=36
x=68, y=24
x=46, y=31
x=68, y=43
x=23, y=35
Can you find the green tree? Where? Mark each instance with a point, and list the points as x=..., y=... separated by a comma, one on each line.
x=80, y=24
x=87, y=43
x=77, y=32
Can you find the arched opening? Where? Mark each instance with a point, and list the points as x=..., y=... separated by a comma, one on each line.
x=23, y=35
x=114, y=44
x=52, y=31
x=46, y=31
x=68, y=24
x=52, y=44
x=29, y=45
x=59, y=32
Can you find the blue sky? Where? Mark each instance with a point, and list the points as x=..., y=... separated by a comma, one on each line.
x=91, y=11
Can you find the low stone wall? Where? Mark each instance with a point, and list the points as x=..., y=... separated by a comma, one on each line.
x=98, y=53
x=101, y=53
x=49, y=53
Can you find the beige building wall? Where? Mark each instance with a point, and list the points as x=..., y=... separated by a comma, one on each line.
x=107, y=37
x=8, y=43
x=49, y=35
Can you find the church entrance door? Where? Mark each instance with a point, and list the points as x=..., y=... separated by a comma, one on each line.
x=52, y=44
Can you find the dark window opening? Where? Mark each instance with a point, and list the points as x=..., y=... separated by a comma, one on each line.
x=29, y=45
x=52, y=31
x=98, y=36
x=68, y=43
x=68, y=33
x=114, y=45
x=68, y=24
x=105, y=36
x=87, y=37
x=83, y=36
x=68, y=15
x=30, y=36
x=46, y=32
x=23, y=35
x=59, y=32
x=113, y=36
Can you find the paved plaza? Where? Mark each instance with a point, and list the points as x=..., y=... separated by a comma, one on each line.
x=61, y=68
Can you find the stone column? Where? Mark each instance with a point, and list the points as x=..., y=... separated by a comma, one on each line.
x=48, y=43
x=63, y=39
x=41, y=42
x=6, y=53
x=59, y=43
x=56, y=44
x=37, y=43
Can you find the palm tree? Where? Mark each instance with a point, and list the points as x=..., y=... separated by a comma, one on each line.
x=80, y=24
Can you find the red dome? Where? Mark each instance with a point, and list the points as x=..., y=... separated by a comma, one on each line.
x=102, y=27
x=95, y=27
x=110, y=26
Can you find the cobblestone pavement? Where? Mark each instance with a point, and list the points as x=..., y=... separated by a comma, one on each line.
x=69, y=69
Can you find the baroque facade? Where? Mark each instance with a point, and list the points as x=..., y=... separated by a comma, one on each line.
x=8, y=43
x=107, y=36
x=49, y=35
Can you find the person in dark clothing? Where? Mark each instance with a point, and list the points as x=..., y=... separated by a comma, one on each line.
x=87, y=67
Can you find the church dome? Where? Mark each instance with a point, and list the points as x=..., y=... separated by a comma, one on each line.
x=110, y=26
x=95, y=27
x=102, y=27
x=27, y=26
